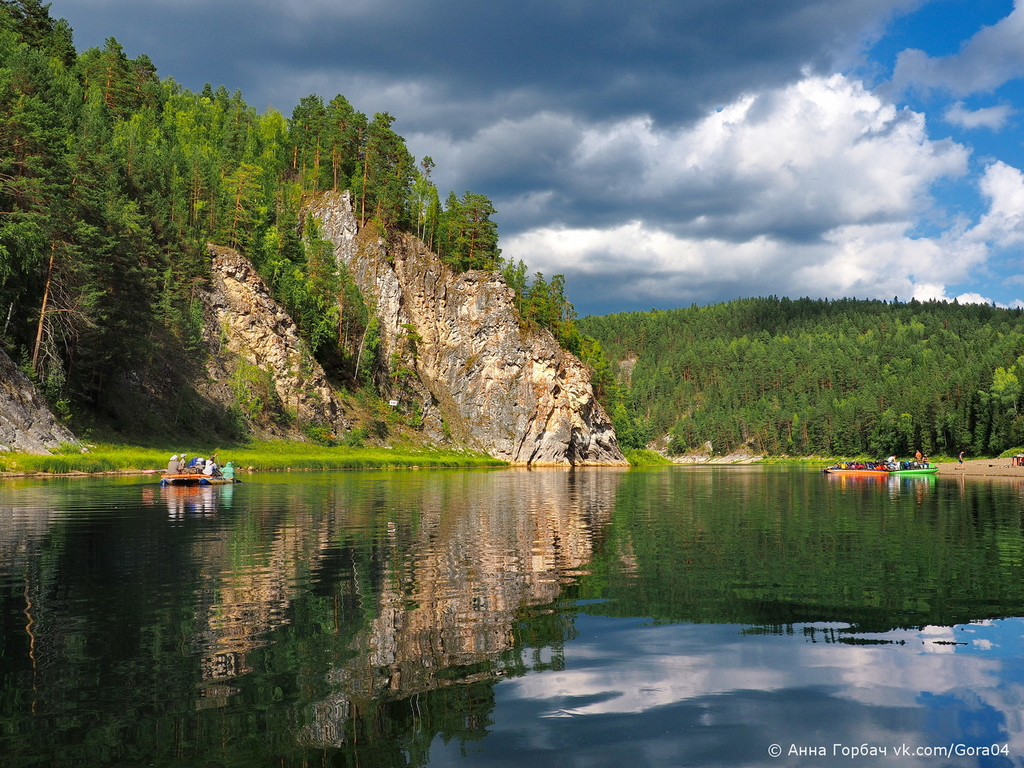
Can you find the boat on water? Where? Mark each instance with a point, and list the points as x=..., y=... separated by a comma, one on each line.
x=199, y=471
x=882, y=468
x=192, y=478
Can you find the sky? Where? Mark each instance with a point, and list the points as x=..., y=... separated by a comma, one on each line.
x=661, y=153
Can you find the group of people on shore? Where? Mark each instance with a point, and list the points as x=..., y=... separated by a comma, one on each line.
x=198, y=465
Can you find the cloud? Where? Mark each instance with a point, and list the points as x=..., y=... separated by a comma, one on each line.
x=988, y=117
x=636, y=267
x=972, y=298
x=791, y=163
x=811, y=189
x=1003, y=224
x=603, y=59
x=992, y=57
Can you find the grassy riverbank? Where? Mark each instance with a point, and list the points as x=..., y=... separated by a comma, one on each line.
x=641, y=457
x=259, y=456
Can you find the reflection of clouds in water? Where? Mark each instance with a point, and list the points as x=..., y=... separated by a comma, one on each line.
x=619, y=668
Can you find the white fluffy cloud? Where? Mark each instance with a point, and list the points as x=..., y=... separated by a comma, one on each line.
x=1003, y=224
x=812, y=189
x=992, y=57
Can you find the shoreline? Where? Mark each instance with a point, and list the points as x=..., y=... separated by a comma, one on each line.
x=982, y=468
x=996, y=467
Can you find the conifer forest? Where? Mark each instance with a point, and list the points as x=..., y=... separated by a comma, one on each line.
x=835, y=378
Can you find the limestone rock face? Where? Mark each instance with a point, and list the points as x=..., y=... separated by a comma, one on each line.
x=253, y=343
x=512, y=393
x=26, y=423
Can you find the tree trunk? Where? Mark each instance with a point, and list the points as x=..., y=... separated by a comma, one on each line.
x=42, y=310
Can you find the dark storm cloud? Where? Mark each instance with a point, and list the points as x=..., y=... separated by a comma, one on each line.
x=670, y=60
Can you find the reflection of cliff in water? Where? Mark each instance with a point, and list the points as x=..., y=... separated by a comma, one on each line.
x=249, y=575
x=419, y=579
x=454, y=586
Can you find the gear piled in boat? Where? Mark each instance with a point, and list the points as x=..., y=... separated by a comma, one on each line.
x=197, y=471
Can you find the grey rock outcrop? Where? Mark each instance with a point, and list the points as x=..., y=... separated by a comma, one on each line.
x=512, y=393
x=246, y=327
x=26, y=422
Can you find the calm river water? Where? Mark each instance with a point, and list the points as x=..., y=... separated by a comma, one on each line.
x=670, y=617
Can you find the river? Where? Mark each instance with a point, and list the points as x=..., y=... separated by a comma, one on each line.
x=680, y=616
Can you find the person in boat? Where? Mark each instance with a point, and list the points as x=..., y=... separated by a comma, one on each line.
x=229, y=471
x=210, y=469
x=172, y=465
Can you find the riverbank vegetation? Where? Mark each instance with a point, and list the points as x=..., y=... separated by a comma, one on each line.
x=642, y=457
x=833, y=378
x=262, y=456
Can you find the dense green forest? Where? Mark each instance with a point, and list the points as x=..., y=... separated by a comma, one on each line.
x=807, y=376
x=112, y=181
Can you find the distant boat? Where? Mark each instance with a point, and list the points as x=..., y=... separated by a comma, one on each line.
x=187, y=478
x=882, y=469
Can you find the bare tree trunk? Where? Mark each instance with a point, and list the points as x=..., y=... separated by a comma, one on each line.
x=42, y=310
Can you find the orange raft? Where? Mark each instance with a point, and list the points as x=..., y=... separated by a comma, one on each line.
x=184, y=478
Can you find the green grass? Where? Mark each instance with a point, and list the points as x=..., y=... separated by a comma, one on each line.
x=641, y=457
x=259, y=456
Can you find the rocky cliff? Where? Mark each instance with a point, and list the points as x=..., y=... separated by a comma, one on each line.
x=257, y=361
x=26, y=423
x=479, y=375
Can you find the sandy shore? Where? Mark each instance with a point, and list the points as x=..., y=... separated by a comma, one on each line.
x=982, y=468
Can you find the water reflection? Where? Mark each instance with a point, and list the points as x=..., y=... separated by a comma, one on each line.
x=192, y=501
x=685, y=616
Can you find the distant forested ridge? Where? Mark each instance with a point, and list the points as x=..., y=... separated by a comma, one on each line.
x=112, y=181
x=807, y=376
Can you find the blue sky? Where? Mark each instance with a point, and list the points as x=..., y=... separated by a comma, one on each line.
x=666, y=153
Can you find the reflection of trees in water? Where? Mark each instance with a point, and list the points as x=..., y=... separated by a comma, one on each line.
x=757, y=547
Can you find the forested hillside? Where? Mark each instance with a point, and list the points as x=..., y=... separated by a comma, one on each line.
x=112, y=181
x=820, y=377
